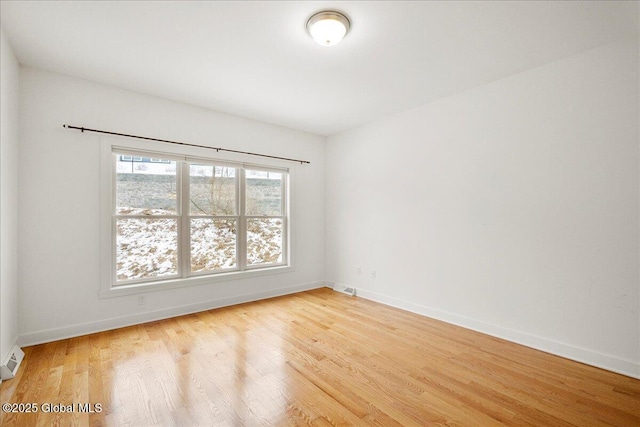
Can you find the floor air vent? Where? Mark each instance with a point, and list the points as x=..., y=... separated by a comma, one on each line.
x=10, y=366
x=345, y=290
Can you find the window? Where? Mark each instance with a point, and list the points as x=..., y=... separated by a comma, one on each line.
x=213, y=217
x=146, y=221
x=264, y=208
x=177, y=220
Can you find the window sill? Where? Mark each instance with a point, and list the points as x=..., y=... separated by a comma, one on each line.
x=139, y=288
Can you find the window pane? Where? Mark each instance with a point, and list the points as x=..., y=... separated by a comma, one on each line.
x=145, y=187
x=213, y=244
x=264, y=193
x=212, y=190
x=264, y=241
x=146, y=248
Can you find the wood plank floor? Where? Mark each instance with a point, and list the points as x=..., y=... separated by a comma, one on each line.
x=318, y=358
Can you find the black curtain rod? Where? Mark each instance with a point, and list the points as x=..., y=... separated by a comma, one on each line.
x=83, y=129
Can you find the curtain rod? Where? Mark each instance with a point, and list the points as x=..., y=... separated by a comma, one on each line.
x=83, y=129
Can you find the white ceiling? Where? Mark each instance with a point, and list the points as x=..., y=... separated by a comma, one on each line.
x=255, y=59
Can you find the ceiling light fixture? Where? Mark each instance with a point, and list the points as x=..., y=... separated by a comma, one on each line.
x=328, y=27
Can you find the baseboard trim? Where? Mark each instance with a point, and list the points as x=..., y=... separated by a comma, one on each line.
x=76, y=330
x=626, y=367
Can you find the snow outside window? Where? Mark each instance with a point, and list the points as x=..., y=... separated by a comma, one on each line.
x=146, y=220
x=174, y=218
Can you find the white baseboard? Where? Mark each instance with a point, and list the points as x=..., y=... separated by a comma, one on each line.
x=611, y=363
x=76, y=330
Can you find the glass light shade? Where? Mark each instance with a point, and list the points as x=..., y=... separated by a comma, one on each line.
x=328, y=28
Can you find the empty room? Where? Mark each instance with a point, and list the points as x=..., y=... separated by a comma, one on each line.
x=265, y=213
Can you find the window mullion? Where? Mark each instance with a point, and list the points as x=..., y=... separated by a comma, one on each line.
x=114, y=221
x=242, y=222
x=184, y=248
x=285, y=219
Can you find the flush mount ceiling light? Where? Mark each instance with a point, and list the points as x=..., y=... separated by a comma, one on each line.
x=328, y=27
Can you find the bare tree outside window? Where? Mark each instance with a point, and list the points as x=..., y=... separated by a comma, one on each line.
x=212, y=190
x=213, y=207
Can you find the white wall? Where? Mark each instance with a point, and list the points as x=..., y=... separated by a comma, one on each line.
x=9, y=88
x=511, y=208
x=59, y=268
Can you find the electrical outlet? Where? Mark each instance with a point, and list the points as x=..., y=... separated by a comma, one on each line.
x=141, y=300
x=373, y=274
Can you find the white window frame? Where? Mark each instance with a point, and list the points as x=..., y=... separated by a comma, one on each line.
x=109, y=287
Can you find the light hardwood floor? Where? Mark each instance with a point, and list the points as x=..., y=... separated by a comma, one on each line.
x=319, y=358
